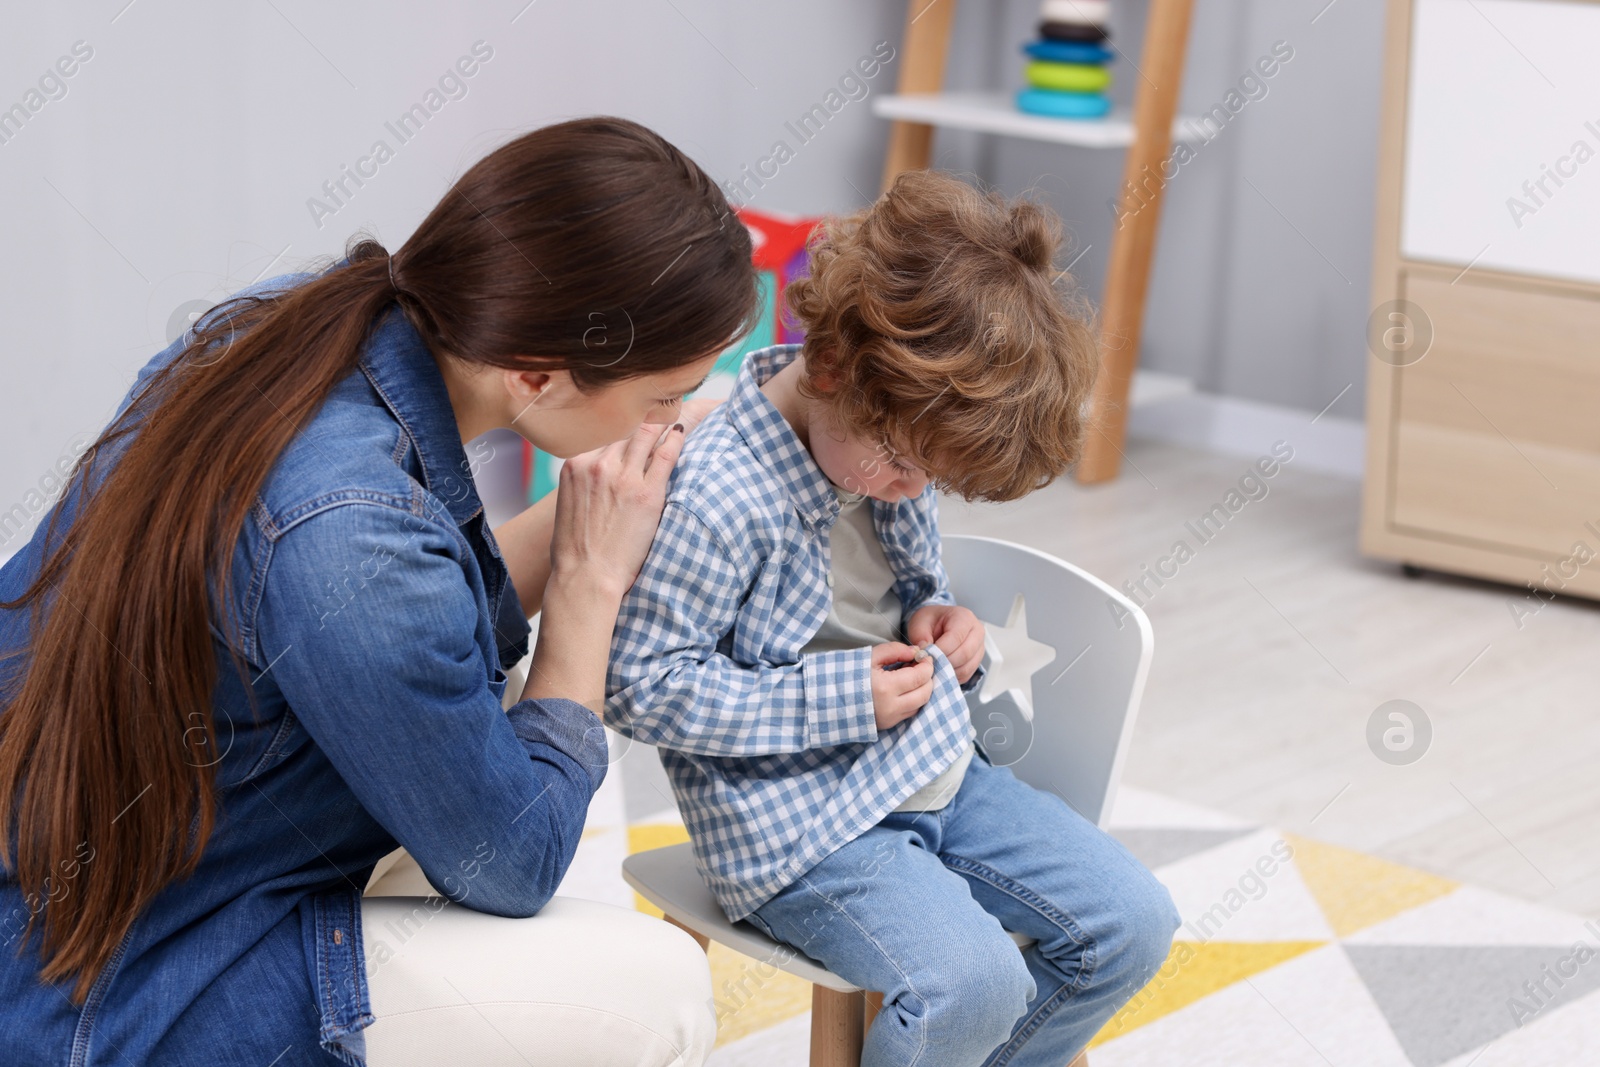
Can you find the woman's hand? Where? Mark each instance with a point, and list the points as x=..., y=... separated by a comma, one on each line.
x=608, y=505
x=525, y=538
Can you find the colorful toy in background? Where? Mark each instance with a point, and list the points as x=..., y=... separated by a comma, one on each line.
x=1066, y=72
x=778, y=247
x=779, y=252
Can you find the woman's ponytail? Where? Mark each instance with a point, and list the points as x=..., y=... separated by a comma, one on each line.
x=107, y=751
x=107, y=739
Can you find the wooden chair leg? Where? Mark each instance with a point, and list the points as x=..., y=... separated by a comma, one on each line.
x=836, y=1028
x=705, y=942
x=839, y=1021
x=871, y=1005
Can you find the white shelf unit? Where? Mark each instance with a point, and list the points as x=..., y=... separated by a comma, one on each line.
x=992, y=112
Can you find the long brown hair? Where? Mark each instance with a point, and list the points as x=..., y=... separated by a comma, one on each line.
x=107, y=746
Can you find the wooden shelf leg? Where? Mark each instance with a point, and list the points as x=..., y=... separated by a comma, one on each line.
x=1133, y=246
x=922, y=55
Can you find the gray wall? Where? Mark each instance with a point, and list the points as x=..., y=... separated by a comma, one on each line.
x=177, y=164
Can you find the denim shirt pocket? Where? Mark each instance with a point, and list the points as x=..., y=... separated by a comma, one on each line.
x=330, y=925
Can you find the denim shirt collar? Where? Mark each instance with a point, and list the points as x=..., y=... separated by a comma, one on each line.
x=770, y=436
x=403, y=370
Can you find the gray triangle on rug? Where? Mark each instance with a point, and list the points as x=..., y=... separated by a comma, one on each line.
x=1445, y=1000
x=1158, y=846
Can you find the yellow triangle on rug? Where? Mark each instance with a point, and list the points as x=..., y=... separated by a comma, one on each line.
x=1355, y=890
x=1193, y=970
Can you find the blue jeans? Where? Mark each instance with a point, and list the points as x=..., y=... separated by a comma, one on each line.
x=918, y=908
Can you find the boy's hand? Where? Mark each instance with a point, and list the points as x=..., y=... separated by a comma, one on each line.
x=957, y=632
x=899, y=693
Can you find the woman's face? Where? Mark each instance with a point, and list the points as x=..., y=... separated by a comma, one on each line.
x=562, y=421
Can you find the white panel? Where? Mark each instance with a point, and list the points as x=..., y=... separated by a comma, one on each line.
x=1502, y=161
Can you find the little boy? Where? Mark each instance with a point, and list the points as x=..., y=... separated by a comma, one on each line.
x=792, y=648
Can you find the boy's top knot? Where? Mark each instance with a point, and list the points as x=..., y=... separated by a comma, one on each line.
x=1035, y=235
x=948, y=336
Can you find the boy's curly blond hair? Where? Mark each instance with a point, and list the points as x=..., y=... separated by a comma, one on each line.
x=938, y=324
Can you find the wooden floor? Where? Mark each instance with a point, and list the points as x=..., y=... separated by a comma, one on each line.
x=1277, y=641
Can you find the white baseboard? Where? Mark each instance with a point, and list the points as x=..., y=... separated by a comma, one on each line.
x=1248, y=428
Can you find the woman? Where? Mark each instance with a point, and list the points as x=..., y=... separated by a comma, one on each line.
x=262, y=642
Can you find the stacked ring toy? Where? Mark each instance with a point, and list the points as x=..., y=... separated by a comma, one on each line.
x=1067, y=70
x=1067, y=51
x=1071, y=77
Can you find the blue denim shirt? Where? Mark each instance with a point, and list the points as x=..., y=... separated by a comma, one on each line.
x=377, y=619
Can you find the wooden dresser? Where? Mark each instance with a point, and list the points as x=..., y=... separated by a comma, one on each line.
x=1483, y=399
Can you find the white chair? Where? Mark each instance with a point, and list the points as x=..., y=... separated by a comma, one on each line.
x=1067, y=732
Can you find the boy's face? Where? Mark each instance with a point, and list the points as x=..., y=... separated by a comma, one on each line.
x=865, y=466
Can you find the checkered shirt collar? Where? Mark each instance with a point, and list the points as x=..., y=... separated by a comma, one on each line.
x=770, y=437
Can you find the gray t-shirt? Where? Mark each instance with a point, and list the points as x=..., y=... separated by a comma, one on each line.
x=865, y=610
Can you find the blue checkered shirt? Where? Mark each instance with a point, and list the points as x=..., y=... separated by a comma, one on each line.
x=775, y=756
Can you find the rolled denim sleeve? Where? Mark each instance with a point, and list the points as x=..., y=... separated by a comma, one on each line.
x=671, y=686
x=373, y=634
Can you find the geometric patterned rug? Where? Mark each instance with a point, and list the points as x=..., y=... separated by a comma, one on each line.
x=1292, y=952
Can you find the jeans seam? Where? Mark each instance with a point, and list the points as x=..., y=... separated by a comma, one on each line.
x=1022, y=893
x=922, y=1032
x=1050, y=911
x=1035, y=1020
